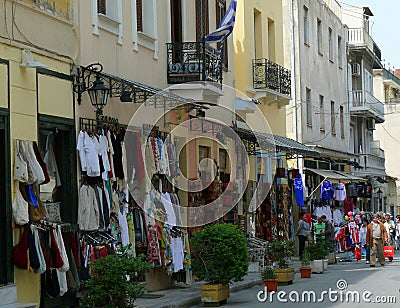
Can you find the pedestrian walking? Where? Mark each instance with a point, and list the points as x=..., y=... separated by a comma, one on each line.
x=376, y=238
x=302, y=232
x=397, y=237
x=390, y=228
x=363, y=239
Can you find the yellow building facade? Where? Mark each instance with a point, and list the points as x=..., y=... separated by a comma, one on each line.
x=35, y=97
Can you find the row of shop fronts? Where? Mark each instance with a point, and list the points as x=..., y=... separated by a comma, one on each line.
x=40, y=103
x=165, y=145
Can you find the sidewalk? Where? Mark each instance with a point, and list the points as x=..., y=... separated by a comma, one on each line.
x=181, y=295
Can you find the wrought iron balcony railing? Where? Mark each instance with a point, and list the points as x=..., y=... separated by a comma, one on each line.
x=272, y=76
x=193, y=61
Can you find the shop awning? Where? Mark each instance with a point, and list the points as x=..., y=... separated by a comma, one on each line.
x=140, y=92
x=270, y=142
x=336, y=176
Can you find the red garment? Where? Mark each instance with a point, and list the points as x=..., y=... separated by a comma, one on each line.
x=354, y=232
x=57, y=261
x=348, y=205
x=308, y=219
x=41, y=163
x=74, y=248
x=20, y=256
x=103, y=252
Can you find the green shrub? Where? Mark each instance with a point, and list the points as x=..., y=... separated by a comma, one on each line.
x=108, y=285
x=280, y=251
x=318, y=250
x=269, y=273
x=305, y=259
x=220, y=254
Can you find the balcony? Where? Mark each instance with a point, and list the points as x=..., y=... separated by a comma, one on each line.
x=372, y=164
x=359, y=38
x=191, y=62
x=365, y=104
x=271, y=76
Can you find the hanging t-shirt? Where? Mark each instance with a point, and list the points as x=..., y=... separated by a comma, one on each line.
x=298, y=191
x=340, y=192
x=327, y=191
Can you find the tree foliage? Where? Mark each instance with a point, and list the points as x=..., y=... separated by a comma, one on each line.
x=220, y=254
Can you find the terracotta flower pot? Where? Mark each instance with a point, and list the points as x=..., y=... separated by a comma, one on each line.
x=305, y=272
x=271, y=284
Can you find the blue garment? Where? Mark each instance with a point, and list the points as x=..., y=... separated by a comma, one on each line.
x=327, y=191
x=32, y=196
x=298, y=191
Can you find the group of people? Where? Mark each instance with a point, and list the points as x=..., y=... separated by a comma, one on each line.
x=323, y=230
x=373, y=235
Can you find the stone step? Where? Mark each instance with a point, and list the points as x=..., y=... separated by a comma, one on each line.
x=19, y=305
x=8, y=294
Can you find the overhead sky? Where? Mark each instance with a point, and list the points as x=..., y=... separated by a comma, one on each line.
x=384, y=28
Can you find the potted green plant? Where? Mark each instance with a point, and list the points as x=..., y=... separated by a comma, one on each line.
x=113, y=279
x=219, y=256
x=270, y=279
x=317, y=254
x=305, y=269
x=280, y=252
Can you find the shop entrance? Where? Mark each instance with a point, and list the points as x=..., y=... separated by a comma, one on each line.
x=6, y=275
x=56, y=144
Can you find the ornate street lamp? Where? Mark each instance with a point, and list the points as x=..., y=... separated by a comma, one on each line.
x=98, y=92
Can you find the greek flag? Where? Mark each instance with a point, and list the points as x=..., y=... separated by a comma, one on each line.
x=226, y=26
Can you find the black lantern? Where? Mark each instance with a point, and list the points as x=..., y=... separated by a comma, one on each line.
x=98, y=94
x=125, y=97
x=83, y=81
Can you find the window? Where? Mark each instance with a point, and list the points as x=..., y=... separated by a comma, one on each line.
x=139, y=15
x=202, y=22
x=319, y=35
x=339, y=44
x=330, y=45
x=306, y=26
x=145, y=17
x=321, y=113
x=341, y=122
x=220, y=11
x=308, y=107
x=271, y=40
x=101, y=7
x=223, y=154
x=108, y=17
x=108, y=8
x=333, y=118
x=257, y=34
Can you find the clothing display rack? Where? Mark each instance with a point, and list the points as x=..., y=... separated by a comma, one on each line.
x=257, y=252
x=95, y=125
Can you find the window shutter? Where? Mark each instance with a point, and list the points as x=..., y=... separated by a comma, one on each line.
x=139, y=15
x=101, y=7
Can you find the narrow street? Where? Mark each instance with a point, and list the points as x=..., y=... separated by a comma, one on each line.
x=382, y=283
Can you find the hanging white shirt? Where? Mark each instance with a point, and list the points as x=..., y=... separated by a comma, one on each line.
x=167, y=203
x=340, y=192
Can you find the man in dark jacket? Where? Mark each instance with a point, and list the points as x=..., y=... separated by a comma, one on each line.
x=376, y=238
x=329, y=233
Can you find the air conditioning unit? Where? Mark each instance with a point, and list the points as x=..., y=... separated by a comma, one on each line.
x=356, y=69
x=370, y=124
